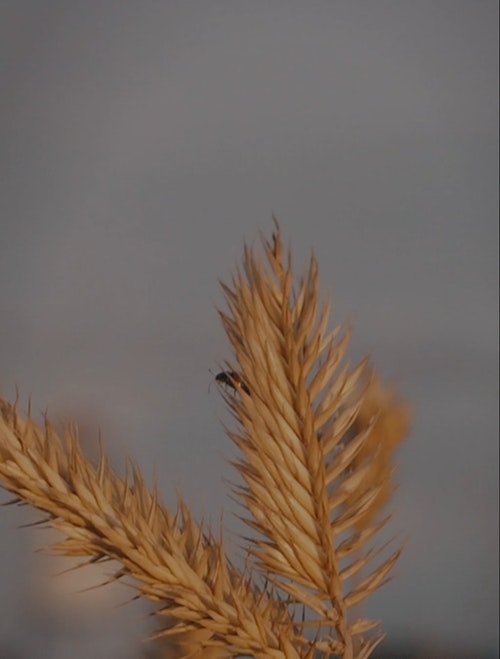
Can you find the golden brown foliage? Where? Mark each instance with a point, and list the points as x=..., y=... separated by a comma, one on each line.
x=316, y=439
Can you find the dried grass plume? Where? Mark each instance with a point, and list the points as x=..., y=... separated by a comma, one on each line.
x=316, y=439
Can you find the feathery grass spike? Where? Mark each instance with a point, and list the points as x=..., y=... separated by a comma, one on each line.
x=316, y=463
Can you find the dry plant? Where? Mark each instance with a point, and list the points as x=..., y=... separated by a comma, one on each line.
x=316, y=439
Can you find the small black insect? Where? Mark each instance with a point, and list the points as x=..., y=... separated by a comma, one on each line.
x=233, y=380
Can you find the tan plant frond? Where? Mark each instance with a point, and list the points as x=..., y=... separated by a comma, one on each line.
x=173, y=561
x=305, y=464
x=316, y=439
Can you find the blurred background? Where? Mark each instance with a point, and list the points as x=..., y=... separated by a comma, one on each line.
x=141, y=144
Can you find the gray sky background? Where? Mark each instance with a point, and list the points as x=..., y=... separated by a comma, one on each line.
x=142, y=142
